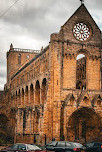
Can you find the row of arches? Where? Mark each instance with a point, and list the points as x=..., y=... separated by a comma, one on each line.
x=83, y=100
x=33, y=94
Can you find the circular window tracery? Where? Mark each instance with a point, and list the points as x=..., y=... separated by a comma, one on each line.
x=81, y=31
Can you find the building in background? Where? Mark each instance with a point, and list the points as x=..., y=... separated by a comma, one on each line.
x=53, y=93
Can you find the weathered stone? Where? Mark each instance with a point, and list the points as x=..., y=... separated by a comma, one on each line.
x=47, y=97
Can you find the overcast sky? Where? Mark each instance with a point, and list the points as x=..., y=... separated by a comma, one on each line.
x=29, y=23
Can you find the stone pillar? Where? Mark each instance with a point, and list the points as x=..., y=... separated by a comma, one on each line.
x=24, y=97
x=56, y=120
x=29, y=102
x=34, y=94
x=20, y=98
x=40, y=96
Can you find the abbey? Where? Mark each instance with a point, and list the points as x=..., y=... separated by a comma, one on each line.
x=55, y=92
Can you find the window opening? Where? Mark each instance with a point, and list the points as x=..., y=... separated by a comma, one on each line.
x=31, y=93
x=44, y=91
x=19, y=58
x=81, y=72
x=37, y=93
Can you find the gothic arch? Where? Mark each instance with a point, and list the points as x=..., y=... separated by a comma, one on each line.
x=37, y=93
x=70, y=97
x=82, y=123
x=31, y=94
x=19, y=99
x=26, y=95
x=44, y=91
x=81, y=64
x=16, y=93
x=19, y=92
x=83, y=51
x=97, y=100
x=22, y=96
x=86, y=99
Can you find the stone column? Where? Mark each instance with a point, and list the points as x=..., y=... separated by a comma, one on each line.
x=29, y=102
x=24, y=96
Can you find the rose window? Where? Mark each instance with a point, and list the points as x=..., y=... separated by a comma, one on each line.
x=81, y=31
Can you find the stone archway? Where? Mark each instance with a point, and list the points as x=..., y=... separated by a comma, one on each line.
x=84, y=125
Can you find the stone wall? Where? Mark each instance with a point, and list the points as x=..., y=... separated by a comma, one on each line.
x=44, y=102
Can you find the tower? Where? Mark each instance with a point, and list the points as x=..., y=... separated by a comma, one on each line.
x=16, y=58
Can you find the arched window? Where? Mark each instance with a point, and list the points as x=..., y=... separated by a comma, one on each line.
x=31, y=94
x=26, y=95
x=22, y=96
x=16, y=94
x=81, y=72
x=37, y=93
x=43, y=91
x=19, y=58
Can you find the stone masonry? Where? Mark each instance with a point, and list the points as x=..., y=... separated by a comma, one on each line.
x=51, y=93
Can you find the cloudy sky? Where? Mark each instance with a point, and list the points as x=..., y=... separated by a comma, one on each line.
x=29, y=23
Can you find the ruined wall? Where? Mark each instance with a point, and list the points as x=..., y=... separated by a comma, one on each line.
x=44, y=99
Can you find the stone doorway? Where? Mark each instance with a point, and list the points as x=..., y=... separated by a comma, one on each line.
x=84, y=125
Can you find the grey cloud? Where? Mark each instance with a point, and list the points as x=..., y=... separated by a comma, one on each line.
x=41, y=19
x=95, y=4
x=2, y=82
x=2, y=71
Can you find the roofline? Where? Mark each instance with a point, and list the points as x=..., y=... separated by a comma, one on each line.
x=77, y=10
x=45, y=49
